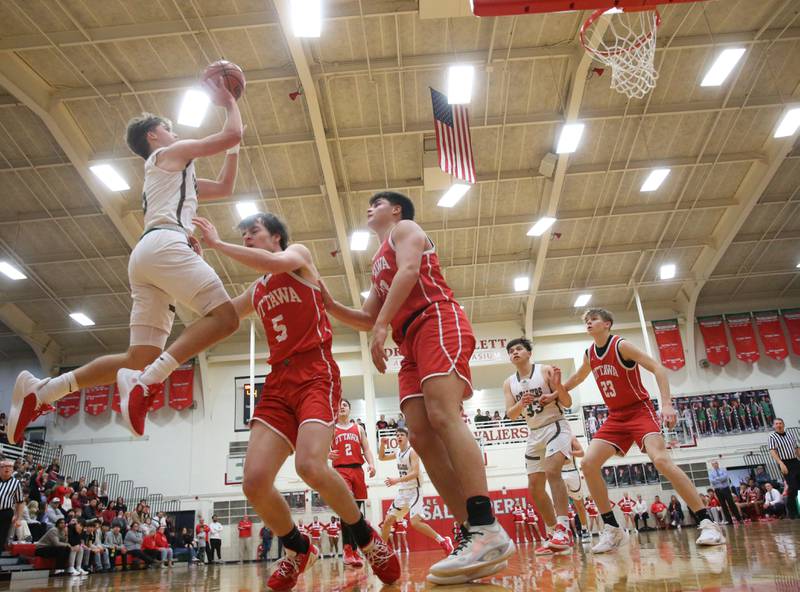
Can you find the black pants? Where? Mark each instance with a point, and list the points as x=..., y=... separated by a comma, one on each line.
x=793, y=479
x=214, y=545
x=60, y=554
x=727, y=504
x=643, y=516
x=6, y=517
x=112, y=557
x=141, y=555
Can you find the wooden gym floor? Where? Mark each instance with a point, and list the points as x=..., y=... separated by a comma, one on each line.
x=759, y=558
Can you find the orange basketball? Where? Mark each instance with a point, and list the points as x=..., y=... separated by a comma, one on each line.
x=232, y=76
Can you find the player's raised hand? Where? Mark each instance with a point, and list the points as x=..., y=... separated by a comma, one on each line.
x=379, y=357
x=333, y=455
x=548, y=398
x=526, y=399
x=208, y=231
x=218, y=92
x=556, y=377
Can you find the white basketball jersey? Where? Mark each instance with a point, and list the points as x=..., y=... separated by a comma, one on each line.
x=169, y=198
x=404, y=468
x=535, y=414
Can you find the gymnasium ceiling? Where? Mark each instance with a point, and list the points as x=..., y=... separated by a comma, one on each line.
x=73, y=71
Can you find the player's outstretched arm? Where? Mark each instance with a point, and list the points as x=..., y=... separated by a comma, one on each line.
x=553, y=376
x=361, y=319
x=179, y=154
x=580, y=375
x=243, y=303
x=295, y=256
x=633, y=353
x=367, y=452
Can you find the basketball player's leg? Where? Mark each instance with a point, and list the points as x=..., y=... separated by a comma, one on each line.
x=418, y=524
x=580, y=508
x=597, y=455
x=433, y=452
x=392, y=516
x=267, y=450
x=537, y=488
x=552, y=469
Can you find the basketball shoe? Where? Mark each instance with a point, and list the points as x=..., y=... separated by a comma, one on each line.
x=710, y=533
x=447, y=545
x=25, y=405
x=291, y=566
x=132, y=399
x=464, y=579
x=612, y=537
x=560, y=542
x=479, y=547
x=382, y=559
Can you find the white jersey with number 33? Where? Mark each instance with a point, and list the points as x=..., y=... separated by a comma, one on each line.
x=536, y=415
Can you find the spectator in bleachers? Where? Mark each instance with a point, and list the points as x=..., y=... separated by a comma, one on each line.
x=90, y=511
x=183, y=544
x=714, y=506
x=675, y=511
x=75, y=540
x=91, y=490
x=120, y=503
x=3, y=429
x=121, y=521
x=54, y=544
x=74, y=502
x=496, y=417
x=361, y=423
x=774, y=506
x=102, y=493
x=401, y=420
x=113, y=543
x=659, y=511
x=53, y=512
x=106, y=514
x=381, y=424
x=78, y=485
x=94, y=549
x=133, y=544
x=479, y=417
x=753, y=500
x=163, y=546
x=22, y=531
x=392, y=424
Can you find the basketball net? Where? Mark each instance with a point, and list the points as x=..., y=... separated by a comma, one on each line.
x=628, y=48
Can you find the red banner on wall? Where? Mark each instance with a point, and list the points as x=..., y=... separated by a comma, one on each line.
x=715, y=339
x=181, y=388
x=156, y=396
x=69, y=405
x=95, y=399
x=438, y=516
x=792, y=319
x=771, y=333
x=670, y=346
x=744, y=336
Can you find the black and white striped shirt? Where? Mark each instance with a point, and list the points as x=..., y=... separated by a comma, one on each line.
x=784, y=443
x=10, y=493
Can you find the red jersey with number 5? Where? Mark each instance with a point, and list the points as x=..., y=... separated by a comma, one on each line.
x=430, y=287
x=293, y=315
x=347, y=442
x=619, y=382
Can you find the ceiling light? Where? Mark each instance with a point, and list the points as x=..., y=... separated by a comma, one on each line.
x=582, y=300
x=722, y=66
x=798, y=266
x=11, y=271
x=193, y=108
x=459, y=84
x=789, y=124
x=110, y=177
x=306, y=18
x=453, y=195
x=365, y=294
x=246, y=208
x=668, y=271
x=570, y=138
x=542, y=224
x=522, y=283
x=359, y=240
x=82, y=319
x=654, y=179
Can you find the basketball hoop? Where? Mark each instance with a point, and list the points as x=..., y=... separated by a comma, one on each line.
x=629, y=51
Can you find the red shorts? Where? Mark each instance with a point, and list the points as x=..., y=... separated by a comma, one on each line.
x=628, y=425
x=354, y=477
x=300, y=389
x=438, y=342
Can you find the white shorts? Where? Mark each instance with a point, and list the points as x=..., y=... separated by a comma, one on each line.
x=545, y=442
x=407, y=501
x=163, y=269
x=575, y=485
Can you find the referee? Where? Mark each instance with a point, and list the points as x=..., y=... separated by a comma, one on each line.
x=11, y=500
x=784, y=449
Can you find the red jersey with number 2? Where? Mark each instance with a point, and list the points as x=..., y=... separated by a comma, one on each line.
x=293, y=315
x=620, y=385
x=347, y=442
x=429, y=288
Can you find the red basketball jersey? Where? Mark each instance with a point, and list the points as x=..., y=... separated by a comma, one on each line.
x=347, y=441
x=293, y=315
x=620, y=385
x=430, y=286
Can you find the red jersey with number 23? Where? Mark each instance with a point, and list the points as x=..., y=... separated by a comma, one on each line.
x=620, y=385
x=293, y=315
x=429, y=288
x=347, y=442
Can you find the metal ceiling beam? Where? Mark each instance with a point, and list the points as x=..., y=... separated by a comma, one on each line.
x=196, y=26
x=311, y=96
x=40, y=341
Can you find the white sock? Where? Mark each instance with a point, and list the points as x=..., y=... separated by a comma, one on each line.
x=439, y=538
x=563, y=521
x=159, y=370
x=57, y=388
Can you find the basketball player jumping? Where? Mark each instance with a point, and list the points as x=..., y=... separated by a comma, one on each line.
x=409, y=497
x=631, y=418
x=301, y=395
x=165, y=267
x=410, y=294
x=535, y=392
x=350, y=448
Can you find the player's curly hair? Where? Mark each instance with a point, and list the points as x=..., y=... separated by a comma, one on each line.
x=137, y=130
x=396, y=199
x=271, y=222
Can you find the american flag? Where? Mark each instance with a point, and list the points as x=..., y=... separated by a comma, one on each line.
x=453, y=141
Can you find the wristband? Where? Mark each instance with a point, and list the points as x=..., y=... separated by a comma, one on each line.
x=234, y=150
